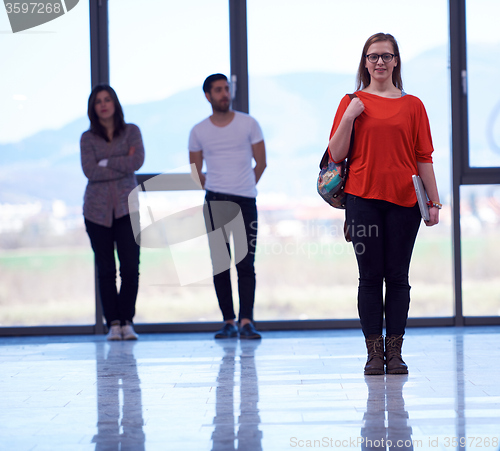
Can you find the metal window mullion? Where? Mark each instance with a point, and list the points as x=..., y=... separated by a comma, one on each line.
x=239, y=53
x=99, y=42
x=459, y=137
x=99, y=69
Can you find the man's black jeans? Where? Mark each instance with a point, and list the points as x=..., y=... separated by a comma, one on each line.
x=116, y=306
x=383, y=235
x=220, y=210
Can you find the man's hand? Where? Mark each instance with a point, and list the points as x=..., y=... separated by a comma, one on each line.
x=196, y=162
x=259, y=155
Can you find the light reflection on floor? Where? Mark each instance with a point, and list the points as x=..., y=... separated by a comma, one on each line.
x=292, y=390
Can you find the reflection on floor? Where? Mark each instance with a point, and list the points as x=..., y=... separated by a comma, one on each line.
x=292, y=390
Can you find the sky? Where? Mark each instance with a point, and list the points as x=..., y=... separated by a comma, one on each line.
x=166, y=46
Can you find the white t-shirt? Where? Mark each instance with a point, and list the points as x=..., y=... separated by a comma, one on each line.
x=228, y=154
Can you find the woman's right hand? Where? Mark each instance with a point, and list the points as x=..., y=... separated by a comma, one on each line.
x=339, y=142
x=354, y=109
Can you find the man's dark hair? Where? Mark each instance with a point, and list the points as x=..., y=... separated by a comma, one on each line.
x=207, y=84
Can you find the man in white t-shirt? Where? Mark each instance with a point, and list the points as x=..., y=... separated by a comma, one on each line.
x=229, y=141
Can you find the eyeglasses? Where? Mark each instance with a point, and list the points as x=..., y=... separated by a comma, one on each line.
x=386, y=57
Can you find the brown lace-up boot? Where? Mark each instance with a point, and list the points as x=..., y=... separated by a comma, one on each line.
x=375, y=362
x=393, y=360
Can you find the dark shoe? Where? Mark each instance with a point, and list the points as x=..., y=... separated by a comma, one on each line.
x=393, y=360
x=228, y=331
x=248, y=332
x=375, y=362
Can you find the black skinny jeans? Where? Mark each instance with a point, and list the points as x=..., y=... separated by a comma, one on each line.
x=116, y=305
x=383, y=235
x=220, y=210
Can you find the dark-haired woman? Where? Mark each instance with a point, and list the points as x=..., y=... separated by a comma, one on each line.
x=392, y=142
x=111, y=151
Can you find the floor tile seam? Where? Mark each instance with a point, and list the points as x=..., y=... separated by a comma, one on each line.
x=276, y=335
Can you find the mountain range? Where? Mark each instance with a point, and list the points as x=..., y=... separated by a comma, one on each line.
x=295, y=112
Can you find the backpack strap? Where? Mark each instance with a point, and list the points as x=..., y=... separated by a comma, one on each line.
x=351, y=144
x=326, y=156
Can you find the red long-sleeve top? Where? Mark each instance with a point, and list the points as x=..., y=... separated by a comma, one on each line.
x=390, y=136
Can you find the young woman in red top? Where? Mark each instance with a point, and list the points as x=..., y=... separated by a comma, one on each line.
x=392, y=141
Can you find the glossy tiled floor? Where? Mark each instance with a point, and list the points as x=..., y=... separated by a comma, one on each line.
x=293, y=390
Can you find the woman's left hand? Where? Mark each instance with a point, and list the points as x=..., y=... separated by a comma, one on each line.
x=433, y=217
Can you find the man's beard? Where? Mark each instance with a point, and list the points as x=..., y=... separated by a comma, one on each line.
x=221, y=107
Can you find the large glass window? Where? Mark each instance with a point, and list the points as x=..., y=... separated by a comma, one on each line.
x=479, y=209
x=480, y=238
x=173, y=285
x=483, y=65
x=303, y=58
x=160, y=54
x=46, y=264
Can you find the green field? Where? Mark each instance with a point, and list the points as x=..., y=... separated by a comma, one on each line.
x=296, y=279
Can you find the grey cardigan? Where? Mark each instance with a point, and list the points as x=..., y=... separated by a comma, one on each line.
x=106, y=195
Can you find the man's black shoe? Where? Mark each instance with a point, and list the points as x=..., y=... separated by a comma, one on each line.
x=228, y=331
x=248, y=332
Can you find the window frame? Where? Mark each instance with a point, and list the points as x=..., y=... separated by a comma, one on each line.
x=462, y=172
